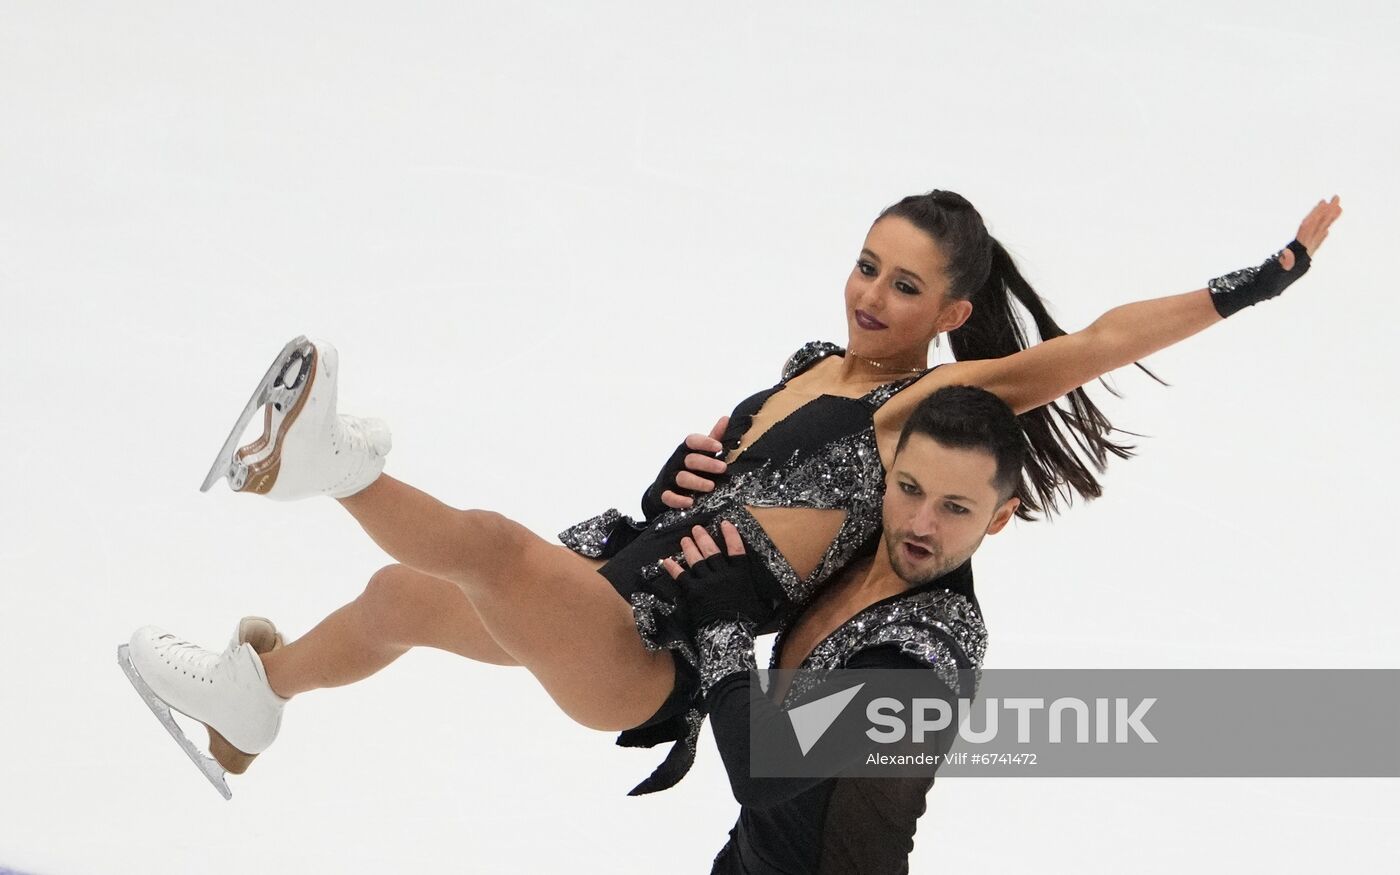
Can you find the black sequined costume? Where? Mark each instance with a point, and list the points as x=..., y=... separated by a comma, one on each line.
x=822, y=455
x=837, y=824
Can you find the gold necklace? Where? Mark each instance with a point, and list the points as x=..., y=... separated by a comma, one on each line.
x=884, y=366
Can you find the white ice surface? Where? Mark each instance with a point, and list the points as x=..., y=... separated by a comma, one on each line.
x=545, y=235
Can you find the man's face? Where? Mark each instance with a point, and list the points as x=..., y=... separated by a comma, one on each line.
x=939, y=504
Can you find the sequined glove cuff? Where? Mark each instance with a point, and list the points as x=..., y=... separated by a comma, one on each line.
x=726, y=648
x=602, y=536
x=1233, y=292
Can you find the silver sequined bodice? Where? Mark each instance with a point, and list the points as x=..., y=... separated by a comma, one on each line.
x=841, y=472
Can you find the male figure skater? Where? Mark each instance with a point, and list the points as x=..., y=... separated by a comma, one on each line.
x=909, y=605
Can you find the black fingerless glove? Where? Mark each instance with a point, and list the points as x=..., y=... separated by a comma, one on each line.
x=726, y=588
x=652, y=506
x=1233, y=292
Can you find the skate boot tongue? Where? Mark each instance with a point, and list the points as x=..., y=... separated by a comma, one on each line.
x=367, y=435
x=259, y=632
x=362, y=444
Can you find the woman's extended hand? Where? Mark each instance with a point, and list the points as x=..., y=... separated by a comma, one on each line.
x=1314, y=229
x=695, y=464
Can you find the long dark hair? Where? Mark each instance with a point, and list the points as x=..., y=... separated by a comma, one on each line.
x=980, y=270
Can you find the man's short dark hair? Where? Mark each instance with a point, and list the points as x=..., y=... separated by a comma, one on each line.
x=966, y=417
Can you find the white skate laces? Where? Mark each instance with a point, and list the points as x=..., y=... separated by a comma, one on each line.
x=228, y=692
x=306, y=447
x=361, y=443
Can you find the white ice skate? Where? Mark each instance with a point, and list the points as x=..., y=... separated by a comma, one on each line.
x=306, y=447
x=226, y=692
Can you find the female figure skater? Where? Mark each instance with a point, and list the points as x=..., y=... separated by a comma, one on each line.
x=802, y=481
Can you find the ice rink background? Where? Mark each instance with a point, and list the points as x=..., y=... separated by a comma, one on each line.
x=549, y=240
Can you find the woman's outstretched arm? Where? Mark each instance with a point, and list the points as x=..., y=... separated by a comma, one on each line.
x=1116, y=339
x=1123, y=335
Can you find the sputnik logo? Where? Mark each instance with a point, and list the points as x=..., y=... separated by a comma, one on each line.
x=811, y=721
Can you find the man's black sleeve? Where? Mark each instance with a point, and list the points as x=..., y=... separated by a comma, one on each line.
x=735, y=700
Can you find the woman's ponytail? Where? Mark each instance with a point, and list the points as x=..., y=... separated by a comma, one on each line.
x=1065, y=442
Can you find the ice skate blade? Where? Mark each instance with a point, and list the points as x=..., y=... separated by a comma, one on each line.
x=225, y=464
x=211, y=769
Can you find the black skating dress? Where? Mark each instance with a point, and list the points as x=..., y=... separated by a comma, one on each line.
x=823, y=456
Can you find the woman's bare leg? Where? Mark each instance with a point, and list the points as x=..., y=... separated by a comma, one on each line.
x=399, y=609
x=544, y=605
x=416, y=529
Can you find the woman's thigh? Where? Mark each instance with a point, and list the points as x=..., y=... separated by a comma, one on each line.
x=551, y=610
